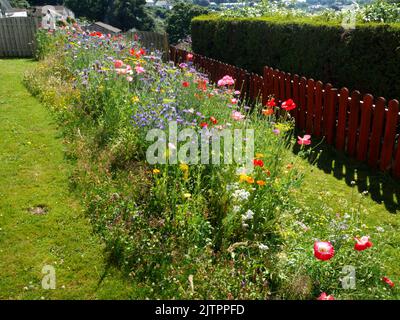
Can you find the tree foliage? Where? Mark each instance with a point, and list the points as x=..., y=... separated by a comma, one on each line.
x=179, y=19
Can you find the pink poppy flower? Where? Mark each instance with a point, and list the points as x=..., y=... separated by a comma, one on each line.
x=129, y=78
x=362, y=244
x=139, y=69
x=118, y=64
x=288, y=105
x=226, y=81
x=189, y=57
x=323, y=250
x=236, y=115
x=305, y=140
x=234, y=101
x=324, y=296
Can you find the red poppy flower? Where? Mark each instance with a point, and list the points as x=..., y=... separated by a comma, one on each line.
x=362, y=244
x=204, y=125
x=142, y=51
x=323, y=250
x=271, y=103
x=324, y=296
x=185, y=84
x=288, y=105
x=213, y=120
x=132, y=51
x=258, y=163
x=189, y=57
x=388, y=281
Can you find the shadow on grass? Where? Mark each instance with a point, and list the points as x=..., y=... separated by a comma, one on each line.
x=381, y=187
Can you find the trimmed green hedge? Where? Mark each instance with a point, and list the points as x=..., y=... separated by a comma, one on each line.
x=366, y=59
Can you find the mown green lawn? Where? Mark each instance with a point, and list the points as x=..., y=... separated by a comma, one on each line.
x=338, y=182
x=33, y=172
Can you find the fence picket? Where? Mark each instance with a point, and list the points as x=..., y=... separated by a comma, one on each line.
x=377, y=132
x=342, y=119
x=310, y=106
x=318, y=108
x=302, y=107
x=296, y=95
x=353, y=123
x=365, y=127
x=331, y=112
x=390, y=134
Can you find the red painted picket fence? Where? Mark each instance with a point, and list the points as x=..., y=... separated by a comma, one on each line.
x=364, y=127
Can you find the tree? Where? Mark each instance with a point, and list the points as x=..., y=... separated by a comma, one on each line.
x=19, y=3
x=128, y=14
x=203, y=3
x=178, y=21
x=124, y=14
x=90, y=9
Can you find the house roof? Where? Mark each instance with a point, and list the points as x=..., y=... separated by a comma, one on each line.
x=107, y=26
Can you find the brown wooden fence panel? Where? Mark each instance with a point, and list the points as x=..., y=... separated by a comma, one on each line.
x=354, y=124
x=17, y=36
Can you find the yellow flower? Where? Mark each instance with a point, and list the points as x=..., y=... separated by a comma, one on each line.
x=249, y=180
x=259, y=155
x=185, y=169
x=243, y=177
x=187, y=195
x=156, y=171
x=135, y=99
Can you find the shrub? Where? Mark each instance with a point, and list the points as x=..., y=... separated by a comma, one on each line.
x=365, y=59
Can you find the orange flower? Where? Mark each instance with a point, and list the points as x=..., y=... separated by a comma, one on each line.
x=268, y=111
x=202, y=85
x=261, y=182
x=249, y=180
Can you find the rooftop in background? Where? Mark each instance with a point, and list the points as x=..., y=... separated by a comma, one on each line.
x=103, y=27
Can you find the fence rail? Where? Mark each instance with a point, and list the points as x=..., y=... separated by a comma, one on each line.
x=17, y=36
x=364, y=127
